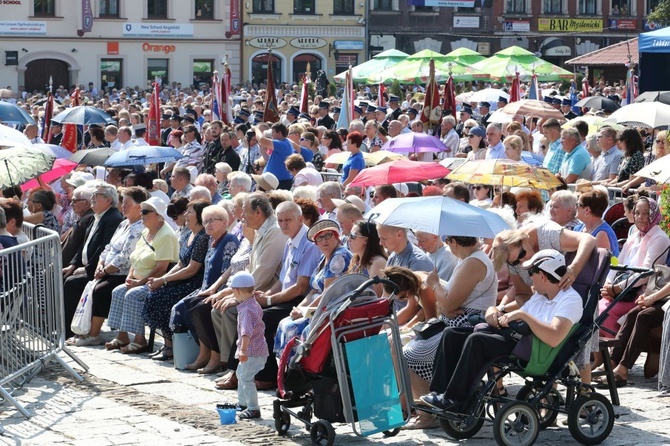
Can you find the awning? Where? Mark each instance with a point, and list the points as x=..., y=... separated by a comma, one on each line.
x=555, y=47
x=655, y=41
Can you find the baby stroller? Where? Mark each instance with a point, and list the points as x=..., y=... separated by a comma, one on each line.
x=344, y=371
x=538, y=403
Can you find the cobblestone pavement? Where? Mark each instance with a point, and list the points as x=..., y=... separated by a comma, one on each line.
x=131, y=400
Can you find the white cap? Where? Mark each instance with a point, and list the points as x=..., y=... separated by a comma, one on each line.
x=549, y=261
x=242, y=279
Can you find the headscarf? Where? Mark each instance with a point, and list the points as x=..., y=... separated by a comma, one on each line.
x=654, y=215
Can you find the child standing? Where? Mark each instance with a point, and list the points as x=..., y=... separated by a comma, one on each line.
x=252, y=350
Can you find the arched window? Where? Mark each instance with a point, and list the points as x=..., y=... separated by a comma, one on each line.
x=300, y=65
x=259, y=69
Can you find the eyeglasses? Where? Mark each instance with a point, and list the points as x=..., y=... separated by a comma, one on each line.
x=74, y=200
x=146, y=211
x=326, y=236
x=303, y=139
x=522, y=254
x=354, y=236
x=207, y=222
x=543, y=147
x=478, y=187
x=468, y=127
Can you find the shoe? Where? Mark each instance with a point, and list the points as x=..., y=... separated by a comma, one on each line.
x=73, y=340
x=114, y=344
x=229, y=384
x=438, y=401
x=158, y=352
x=211, y=370
x=248, y=414
x=618, y=382
x=134, y=348
x=265, y=385
x=165, y=354
x=664, y=392
x=193, y=367
x=89, y=341
x=423, y=421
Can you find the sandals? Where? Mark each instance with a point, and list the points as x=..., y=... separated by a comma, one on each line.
x=115, y=344
x=249, y=414
x=134, y=348
x=601, y=382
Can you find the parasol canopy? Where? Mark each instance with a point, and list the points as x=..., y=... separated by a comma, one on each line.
x=503, y=66
x=502, y=172
x=377, y=64
x=415, y=69
x=399, y=171
x=18, y=165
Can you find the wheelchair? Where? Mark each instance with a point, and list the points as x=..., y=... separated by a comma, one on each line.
x=518, y=421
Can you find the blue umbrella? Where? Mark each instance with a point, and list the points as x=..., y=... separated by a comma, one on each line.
x=439, y=216
x=83, y=115
x=143, y=155
x=13, y=114
x=51, y=149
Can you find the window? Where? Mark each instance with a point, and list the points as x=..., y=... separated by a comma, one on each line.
x=420, y=8
x=553, y=6
x=259, y=69
x=516, y=6
x=343, y=7
x=652, y=5
x=111, y=74
x=303, y=7
x=587, y=6
x=108, y=8
x=300, y=63
x=204, y=9
x=621, y=7
x=158, y=68
x=156, y=9
x=45, y=8
x=383, y=5
x=264, y=6
x=203, y=70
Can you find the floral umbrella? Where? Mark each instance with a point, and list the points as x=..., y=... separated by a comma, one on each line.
x=500, y=172
x=377, y=64
x=18, y=165
x=416, y=70
x=503, y=66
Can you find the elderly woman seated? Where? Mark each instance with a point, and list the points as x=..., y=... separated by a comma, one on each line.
x=157, y=248
x=563, y=208
x=182, y=279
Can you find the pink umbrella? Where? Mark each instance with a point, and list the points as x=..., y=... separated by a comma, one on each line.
x=414, y=142
x=60, y=168
x=400, y=171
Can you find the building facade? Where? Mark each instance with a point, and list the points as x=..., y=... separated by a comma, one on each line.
x=117, y=43
x=556, y=30
x=327, y=35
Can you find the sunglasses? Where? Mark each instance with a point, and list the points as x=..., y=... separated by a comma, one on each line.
x=354, y=236
x=522, y=254
x=146, y=211
x=326, y=236
x=468, y=127
x=478, y=187
x=659, y=141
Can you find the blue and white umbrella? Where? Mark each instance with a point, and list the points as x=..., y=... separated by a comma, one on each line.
x=13, y=114
x=142, y=156
x=83, y=115
x=439, y=216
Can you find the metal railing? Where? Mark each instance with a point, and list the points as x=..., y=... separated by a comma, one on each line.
x=32, y=322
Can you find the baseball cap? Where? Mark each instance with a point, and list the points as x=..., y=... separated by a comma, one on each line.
x=242, y=279
x=550, y=261
x=478, y=131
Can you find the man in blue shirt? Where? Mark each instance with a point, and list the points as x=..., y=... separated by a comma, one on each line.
x=577, y=161
x=275, y=151
x=555, y=154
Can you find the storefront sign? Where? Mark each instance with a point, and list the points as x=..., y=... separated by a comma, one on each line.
x=170, y=30
x=23, y=28
x=623, y=24
x=466, y=21
x=351, y=45
x=517, y=26
x=309, y=42
x=112, y=48
x=570, y=25
x=444, y=3
x=650, y=26
x=267, y=42
x=158, y=48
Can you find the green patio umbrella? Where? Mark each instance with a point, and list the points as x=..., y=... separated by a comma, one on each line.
x=377, y=64
x=502, y=66
x=415, y=70
x=465, y=56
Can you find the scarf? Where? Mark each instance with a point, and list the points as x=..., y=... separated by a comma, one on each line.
x=654, y=216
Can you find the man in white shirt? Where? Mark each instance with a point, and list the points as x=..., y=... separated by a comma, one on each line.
x=125, y=137
x=495, y=149
x=449, y=137
x=31, y=133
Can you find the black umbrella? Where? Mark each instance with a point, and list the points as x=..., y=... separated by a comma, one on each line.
x=654, y=96
x=83, y=115
x=599, y=103
x=11, y=113
x=92, y=157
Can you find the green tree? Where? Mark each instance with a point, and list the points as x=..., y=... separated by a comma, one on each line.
x=395, y=88
x=661, y=14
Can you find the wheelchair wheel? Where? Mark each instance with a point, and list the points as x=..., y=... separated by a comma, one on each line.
x=282, y=423
x=391, y=433
x=545, y=415
x=460, y=430
x=322, y=433
x=591, y=418
x=516, y=424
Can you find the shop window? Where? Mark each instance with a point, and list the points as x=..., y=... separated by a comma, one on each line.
x=518, y=6
x=343, y=7
x=203, y=70
x=111, y=74
x=156, y=9
x=45, y=8
x=553, y=6
x=344, y=60
x=303, y=7
x=204, y=9
x=158, y=69
x=259, y=69
x=108, y=8
x=264, y=7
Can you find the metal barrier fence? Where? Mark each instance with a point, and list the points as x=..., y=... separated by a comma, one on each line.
x=32, y=322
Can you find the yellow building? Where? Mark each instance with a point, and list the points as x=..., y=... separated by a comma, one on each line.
x=327, y=34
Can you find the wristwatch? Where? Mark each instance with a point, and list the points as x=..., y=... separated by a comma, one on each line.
x=502, y=308
x=268, y=300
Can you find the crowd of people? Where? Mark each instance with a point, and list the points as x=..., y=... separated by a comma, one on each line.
x=254, y=224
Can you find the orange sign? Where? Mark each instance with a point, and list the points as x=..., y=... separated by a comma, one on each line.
x=112, y=48
x=152, y=48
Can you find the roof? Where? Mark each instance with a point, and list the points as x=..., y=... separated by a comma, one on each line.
x=616, y=54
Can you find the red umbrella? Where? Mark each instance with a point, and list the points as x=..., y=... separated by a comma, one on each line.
x=400, y=171
x=61, y=167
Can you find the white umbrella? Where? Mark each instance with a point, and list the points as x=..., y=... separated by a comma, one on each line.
x=658, y=170
x=490, y=95
x=10, y=137
x=500, y=117
x=645, y=114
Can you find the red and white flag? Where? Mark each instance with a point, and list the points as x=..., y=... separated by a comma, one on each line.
x=515, y=91
x=381, y=100
x=432, y=110
x=216, y=98
x=304, y=95
x=153, y=123
x=226, y=88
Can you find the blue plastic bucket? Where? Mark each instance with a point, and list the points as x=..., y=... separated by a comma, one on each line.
x=227, y=416
x=185, y=350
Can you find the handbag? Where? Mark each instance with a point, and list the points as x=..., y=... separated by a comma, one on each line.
x=660, y=278
x=428, y=329
x=81, y=322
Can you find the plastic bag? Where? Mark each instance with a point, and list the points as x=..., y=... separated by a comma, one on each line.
x=81, y=322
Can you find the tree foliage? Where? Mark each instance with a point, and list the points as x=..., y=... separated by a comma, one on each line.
x=661, y=14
